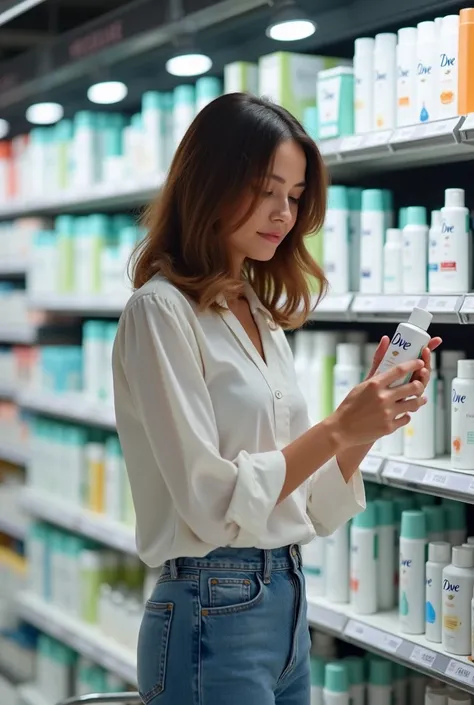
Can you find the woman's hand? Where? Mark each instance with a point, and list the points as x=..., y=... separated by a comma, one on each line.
x=423, y=375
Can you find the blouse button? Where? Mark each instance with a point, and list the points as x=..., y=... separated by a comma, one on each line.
x=278, y=394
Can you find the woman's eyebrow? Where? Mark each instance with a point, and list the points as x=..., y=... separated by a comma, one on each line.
x=301, y=184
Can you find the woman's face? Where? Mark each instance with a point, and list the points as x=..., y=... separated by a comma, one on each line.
x=277, y=210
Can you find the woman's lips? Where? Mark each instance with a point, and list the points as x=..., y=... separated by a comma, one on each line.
x=272, y=237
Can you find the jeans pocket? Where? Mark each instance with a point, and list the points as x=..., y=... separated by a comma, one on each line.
x=229, y=595
x=153, y=649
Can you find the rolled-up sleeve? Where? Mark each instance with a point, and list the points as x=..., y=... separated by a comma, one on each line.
x=331, y=500
x=216, y=497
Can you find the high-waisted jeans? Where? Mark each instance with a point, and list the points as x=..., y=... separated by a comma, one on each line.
x=227, y=629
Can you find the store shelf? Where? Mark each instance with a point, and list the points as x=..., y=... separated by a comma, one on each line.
x=80, y=521
x=101, y=197
x=29, y=695
x=334, y=307
x=380, y=633
x=84, y=638
x=12, y=527
x=13, y=452
x=13, y=267
x=381, y=307
x=75, y=407
x=388, y=150
x=78, y=304
x=20, y=335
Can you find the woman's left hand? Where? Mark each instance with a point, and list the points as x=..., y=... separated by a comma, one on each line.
x=423, y=375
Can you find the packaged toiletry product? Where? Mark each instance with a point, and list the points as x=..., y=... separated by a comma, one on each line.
x=406, y=76
x=372, y=241
x=91, y=569
x=393, y=262
x=64, y=228
x=335, y=91
x=380, y=685
x=317, y=680
x=241, y=77
x=435, y=695
x=322, y=370
x=458, y=584
x=355, y=668
x=86, y=167
x=416, y=687
x=363, y=561
x=427, y=56
x=336, y=684
x=336, y=240
x=409, y=340
x=448, y=67
x=113, y=500
x=314, y=563
x=439, y=556
x=90, y=238
x=354, y=195
x=455, y=250
x=434, y=252
x=208, y=88
x=392, y=444
x=311, y=122
x=152, y=113
x=337, y=565
x=449, y=370
x=412, y=572
x=415, y=251
x=95, y=462
x=93, y=336
x=458, y=698
x=435, y=520
x=184, y=111
x=386, y=554
x=419, y=434
x=456, y=521
x=303, y=348
x=385, y=72
x=462, y=417
x=109, y=331
x=400, y=684
x=323, y=645
x=289, y=78
x=363, y=84
x=347, y=371
x=466, y=61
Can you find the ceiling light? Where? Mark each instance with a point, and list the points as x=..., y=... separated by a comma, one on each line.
x=4, y=128
x=289, y=23
x=107, y=92
x=188, y=64
x=44, y=113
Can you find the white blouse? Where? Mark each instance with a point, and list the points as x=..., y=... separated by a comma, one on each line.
x=202, y=420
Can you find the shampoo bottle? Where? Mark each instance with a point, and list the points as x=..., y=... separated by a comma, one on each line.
x=409, y=340
x=363, y=562
x=412, y=572
x=455, y=251
x=462, y=417
x=439, y=556
x=458, y=584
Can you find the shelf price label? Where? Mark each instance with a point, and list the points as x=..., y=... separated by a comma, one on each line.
x=390, y=643
x=377, y=139
x=355, y=630
x=436, y=477
x=351, y=143
x=371, y=464
x=462, y=672
x=422, y=656
x=442, y=303
x=395, y=469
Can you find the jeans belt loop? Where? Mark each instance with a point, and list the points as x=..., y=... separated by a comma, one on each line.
x=173, y=569
x=267, y=566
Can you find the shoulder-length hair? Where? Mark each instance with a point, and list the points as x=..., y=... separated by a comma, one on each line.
x=225, y=157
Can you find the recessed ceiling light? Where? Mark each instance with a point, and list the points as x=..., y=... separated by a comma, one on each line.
x=188, y=64
x=44, y=113
x=4, y=128
x=107, y=92
x=290, y=23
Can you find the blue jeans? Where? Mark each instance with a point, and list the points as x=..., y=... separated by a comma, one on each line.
x=227, y=629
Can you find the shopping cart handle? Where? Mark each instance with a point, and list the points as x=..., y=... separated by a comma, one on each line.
x=103, y=698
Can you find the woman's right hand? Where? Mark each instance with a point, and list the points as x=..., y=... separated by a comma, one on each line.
x=372, y=409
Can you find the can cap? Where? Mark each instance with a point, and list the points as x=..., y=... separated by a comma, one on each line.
x=407, y=35
x=402, y=217
x=463, y=556
x=439, y=552
x=337, y=198
x=317, y=671
x=354, y=195
x=450, y=23
x=435, y=519
x=466, y=16
x=385, y=512
x=385, y=40
x=413, y=525
x=394, y=235
x=366, y=519
x=364, y=45
x=421, y=318
x=348, y=354
x=416, y=215
x=426, y=31
x=336, y=678
x=454, y=197
x=466, y=369
x=436, y=219
x=372, y=199
x=355, y=666
x=380, y=671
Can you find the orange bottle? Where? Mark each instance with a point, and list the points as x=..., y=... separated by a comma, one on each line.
x=466, y=62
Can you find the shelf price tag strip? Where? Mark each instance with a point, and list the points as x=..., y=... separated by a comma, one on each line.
x=424, y=657
x=322, y=617
x=370, y=636
x=462, y=672
x=371, y=464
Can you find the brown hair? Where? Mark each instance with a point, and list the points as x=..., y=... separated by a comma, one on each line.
x=226, y=151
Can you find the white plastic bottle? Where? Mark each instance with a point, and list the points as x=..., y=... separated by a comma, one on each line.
x=462, y=417
x=363, y=84
x=354, y=195
x=448, y=67
x=458, y=584
x=355, y=666
x=415, y=251
x=386, y=554
x=406, y=76
x=392, y=444
x=439, y=556
x=434, y=251
x=314, y=562
x=363, y=564
x=457, y=697
x=400, y=684
x=317, y=680
x=380, y=685
x=336, y=684
x=427, y=56
x=336, y=240
x=337, y=565
x=455, y=251
x=449, y=370
x=419, y=435
x=409, y=340
x=372, y=241
x=411, y=607
x=440, y=412
x=393, y=262
x=385, y=81
x=435, y=696
x=347, y=371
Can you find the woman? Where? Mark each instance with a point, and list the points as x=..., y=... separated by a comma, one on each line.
x=227, y=476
